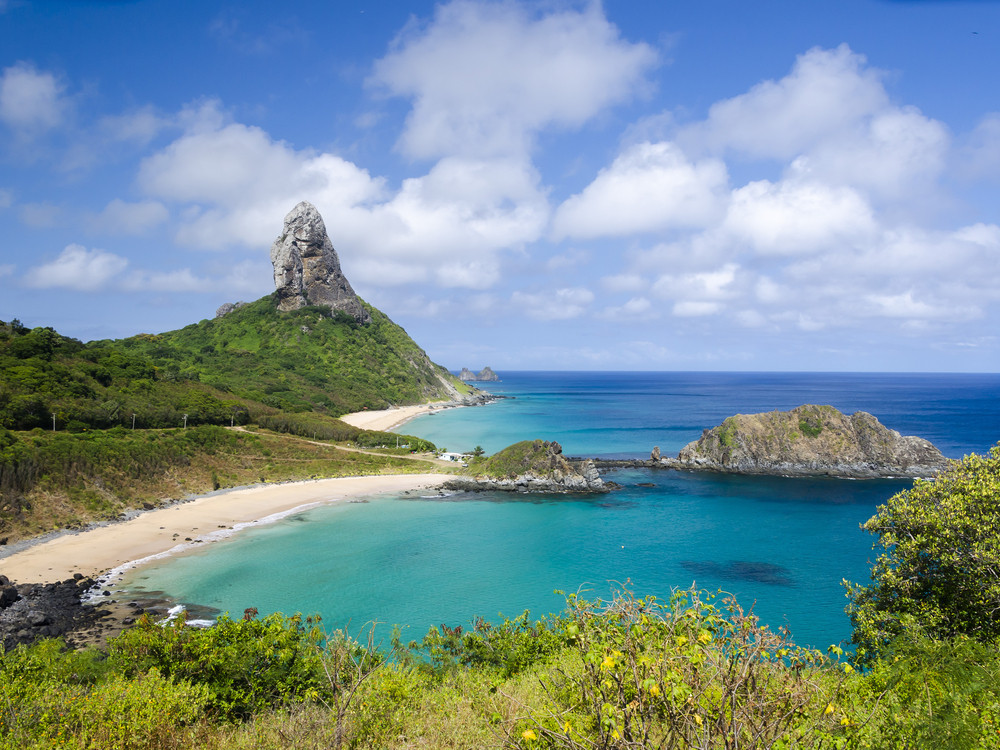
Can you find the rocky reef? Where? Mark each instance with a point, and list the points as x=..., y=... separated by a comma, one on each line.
x=307, y=269
x=486, y=374
x=809, y=440
x=532, y=466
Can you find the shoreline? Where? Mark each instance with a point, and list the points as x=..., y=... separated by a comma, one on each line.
x=157, y=533
x=387, y=420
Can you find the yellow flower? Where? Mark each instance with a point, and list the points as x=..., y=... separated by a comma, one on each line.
x=829, y=709
x=654, y=690
x=698, y=720
x=608, y=663
x=704, y=637
x=529, y=735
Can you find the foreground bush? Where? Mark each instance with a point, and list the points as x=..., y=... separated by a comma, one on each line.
x=940, y=565
x=624, y=673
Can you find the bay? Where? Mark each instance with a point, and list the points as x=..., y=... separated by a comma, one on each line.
x=779, y=545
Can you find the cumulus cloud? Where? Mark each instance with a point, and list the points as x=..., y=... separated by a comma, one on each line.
x=825, y=95
x=562, y=304
x=485, y=77
x=30, y=100
x=77, y=268
x=649, y=187
x=446, y=226
x=120, y=217
x=792, y=218
x=837, y=239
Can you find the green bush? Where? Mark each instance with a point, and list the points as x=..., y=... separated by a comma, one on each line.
x=940, y=565
x=246, y=665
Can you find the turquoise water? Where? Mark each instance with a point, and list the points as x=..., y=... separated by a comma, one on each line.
x=780, y=545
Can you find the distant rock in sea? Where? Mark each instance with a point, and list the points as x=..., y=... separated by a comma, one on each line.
x=307, y=269
x=486, y=374
x=810, y=441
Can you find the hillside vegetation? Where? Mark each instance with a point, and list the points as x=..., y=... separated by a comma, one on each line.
x=88, y=431
x=301, y=360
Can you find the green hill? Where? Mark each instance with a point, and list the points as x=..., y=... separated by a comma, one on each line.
x=254, y=362
x=302, y=360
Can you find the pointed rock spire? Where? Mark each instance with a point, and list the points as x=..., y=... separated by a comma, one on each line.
x=307, y=269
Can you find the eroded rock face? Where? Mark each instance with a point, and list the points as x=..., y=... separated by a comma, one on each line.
x=811, y=441
x=307, y=269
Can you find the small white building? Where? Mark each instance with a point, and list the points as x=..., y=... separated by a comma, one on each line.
x=452, y=456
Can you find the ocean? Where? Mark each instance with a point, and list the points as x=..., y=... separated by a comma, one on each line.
x=781, y=546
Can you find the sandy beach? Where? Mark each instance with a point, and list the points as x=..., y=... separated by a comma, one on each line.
x=384, y=420
x=98, y=550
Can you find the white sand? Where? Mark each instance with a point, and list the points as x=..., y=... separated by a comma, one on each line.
x=384, y=420
x=98, y=550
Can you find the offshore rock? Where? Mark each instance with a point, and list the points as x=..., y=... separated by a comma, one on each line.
x=810, y=440
x=486, y=374
x=307, y=269
x=533, y=466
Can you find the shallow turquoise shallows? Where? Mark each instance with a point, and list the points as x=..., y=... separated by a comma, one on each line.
x=782, y=546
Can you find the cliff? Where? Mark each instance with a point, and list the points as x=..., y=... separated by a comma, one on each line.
x=810, y=441
x=532, y=466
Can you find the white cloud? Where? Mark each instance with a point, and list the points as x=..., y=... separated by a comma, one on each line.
x=562, y=304
x=826, y=94
x=447, y=225
x=702, y=286
x=30, y=100
x=77, y=268
x=649, y=187
x=485, y=77
x=637, y=308
x=892, y=154
x=793, y=218
x=120, y=217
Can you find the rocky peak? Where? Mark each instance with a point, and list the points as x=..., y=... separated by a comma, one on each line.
x=307, y=269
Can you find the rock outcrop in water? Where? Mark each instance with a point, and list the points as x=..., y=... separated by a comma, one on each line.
x=307, y=269
x=810, y=441
x=486, y=374
x=533, y=466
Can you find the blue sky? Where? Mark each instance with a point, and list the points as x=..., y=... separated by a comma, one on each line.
x=715, y=185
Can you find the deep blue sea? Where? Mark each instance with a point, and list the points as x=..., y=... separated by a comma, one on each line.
x=781, y=546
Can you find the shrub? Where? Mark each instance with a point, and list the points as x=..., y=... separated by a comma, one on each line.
x=940, y=568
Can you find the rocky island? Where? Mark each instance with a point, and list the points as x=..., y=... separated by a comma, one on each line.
x=809, y=440
x=532, y=466
x=486, y=375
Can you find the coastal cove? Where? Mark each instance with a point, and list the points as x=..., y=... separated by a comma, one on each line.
x=424, y=559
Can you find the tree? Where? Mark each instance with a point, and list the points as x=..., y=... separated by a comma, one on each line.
x=940, y=571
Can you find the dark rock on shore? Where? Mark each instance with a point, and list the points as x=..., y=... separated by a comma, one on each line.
x=810, y=441
x=33, y=611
